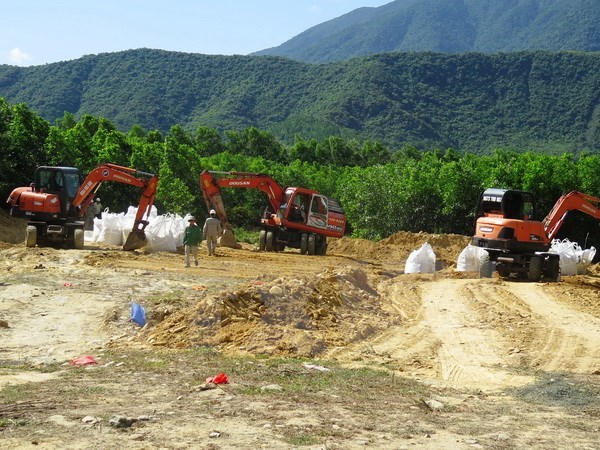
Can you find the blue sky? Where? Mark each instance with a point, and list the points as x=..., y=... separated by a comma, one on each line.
x=34, y=32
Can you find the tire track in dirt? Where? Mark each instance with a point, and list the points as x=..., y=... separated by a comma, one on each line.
x=568, y=340
x=471, y=354
x=447, y=343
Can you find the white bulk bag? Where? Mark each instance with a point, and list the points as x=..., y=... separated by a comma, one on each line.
x=112, y=229
x=179, y=229
x=569, y=253
x=585, y=259
x=471, y=258
x=421, y=260
x=159, y=235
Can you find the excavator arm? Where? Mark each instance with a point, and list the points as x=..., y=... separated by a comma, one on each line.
x=126, y=175
x=572, y=201
x=211, y=189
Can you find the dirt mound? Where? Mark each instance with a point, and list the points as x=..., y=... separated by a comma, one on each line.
x=398, y=247
x=288, y=316
x=12, y=230
x=594, y=269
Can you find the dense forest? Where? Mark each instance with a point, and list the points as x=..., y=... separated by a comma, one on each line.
x=381, y=191
x=450, y=26
x=470, y=102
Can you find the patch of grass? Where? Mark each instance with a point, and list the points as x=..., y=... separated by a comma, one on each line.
x=302, y=439
x=175, y=298
x=15, y=393
x=247, y=236
x=557, y=390
x=6, y=422
x=205, y=351
x=10, y=366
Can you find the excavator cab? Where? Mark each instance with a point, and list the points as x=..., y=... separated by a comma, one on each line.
x=506, y=204
x=61, y=181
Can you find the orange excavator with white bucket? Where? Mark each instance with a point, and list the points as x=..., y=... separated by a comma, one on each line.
x=518, y=244
x=296, y=217
x=56, y=203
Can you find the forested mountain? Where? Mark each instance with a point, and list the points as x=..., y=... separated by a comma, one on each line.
x=450, y=26
x=474, y=102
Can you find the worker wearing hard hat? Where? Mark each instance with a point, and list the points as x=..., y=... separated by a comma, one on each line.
x=212, y=230
x=97, y=208
x=191, y=240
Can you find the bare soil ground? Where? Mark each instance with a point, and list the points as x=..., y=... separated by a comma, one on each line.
x=342, y=351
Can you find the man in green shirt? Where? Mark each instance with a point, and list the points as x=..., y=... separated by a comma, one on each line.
x=191, y=240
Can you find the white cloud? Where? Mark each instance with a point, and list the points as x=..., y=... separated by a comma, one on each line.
x=18, y=56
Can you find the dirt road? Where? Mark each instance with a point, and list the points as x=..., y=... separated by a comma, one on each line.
x=454, y=333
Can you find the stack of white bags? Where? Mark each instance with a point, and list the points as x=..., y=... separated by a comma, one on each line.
x=164, y=233
x=573, y=259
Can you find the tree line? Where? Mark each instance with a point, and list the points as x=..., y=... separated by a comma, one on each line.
x=382, y=191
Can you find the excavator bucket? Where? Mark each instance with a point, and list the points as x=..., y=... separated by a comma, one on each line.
x=136, y=239
x=227, y=239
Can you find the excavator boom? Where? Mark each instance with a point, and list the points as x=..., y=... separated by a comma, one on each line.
x=211, y=189
x=570, y=202
x=125, y=175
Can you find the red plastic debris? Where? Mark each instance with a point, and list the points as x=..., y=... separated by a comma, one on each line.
x=218, y=379
x=67, y=284
x=83, y=361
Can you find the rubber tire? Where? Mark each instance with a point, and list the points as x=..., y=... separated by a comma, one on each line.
x=303, y=244
x=484, y=266
x=312, y=244
x=503, y=272
x=270, y=241
x=78, y=239
x=534, y=272
x=323, y=246
x=262, y=240
x=31, y=236
x=553, y=269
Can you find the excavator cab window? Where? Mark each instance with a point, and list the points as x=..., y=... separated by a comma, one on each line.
x=299, y=208
x=505, y=203
x=517, y=205
x=284, y=204
x=44, y=180
x=72, y=181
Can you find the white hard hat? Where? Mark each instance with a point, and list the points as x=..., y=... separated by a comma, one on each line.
x=192, y=219
x=212, y=211
x=98, y=199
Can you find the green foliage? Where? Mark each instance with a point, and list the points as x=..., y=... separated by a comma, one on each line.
x=381, y=192
x=356, y=112
x=22, y=136
x=449, y=26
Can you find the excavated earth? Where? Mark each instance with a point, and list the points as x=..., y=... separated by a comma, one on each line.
x=480, y=344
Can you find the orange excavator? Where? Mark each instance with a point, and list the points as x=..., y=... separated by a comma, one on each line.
x=296, y=217
x=56, y=203
x=515, y=242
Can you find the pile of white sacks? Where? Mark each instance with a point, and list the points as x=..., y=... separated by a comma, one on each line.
x=573, y=259
x=164, y=233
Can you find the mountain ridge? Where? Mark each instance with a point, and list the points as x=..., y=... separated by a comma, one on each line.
x=452, y=26
x=470, y=101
